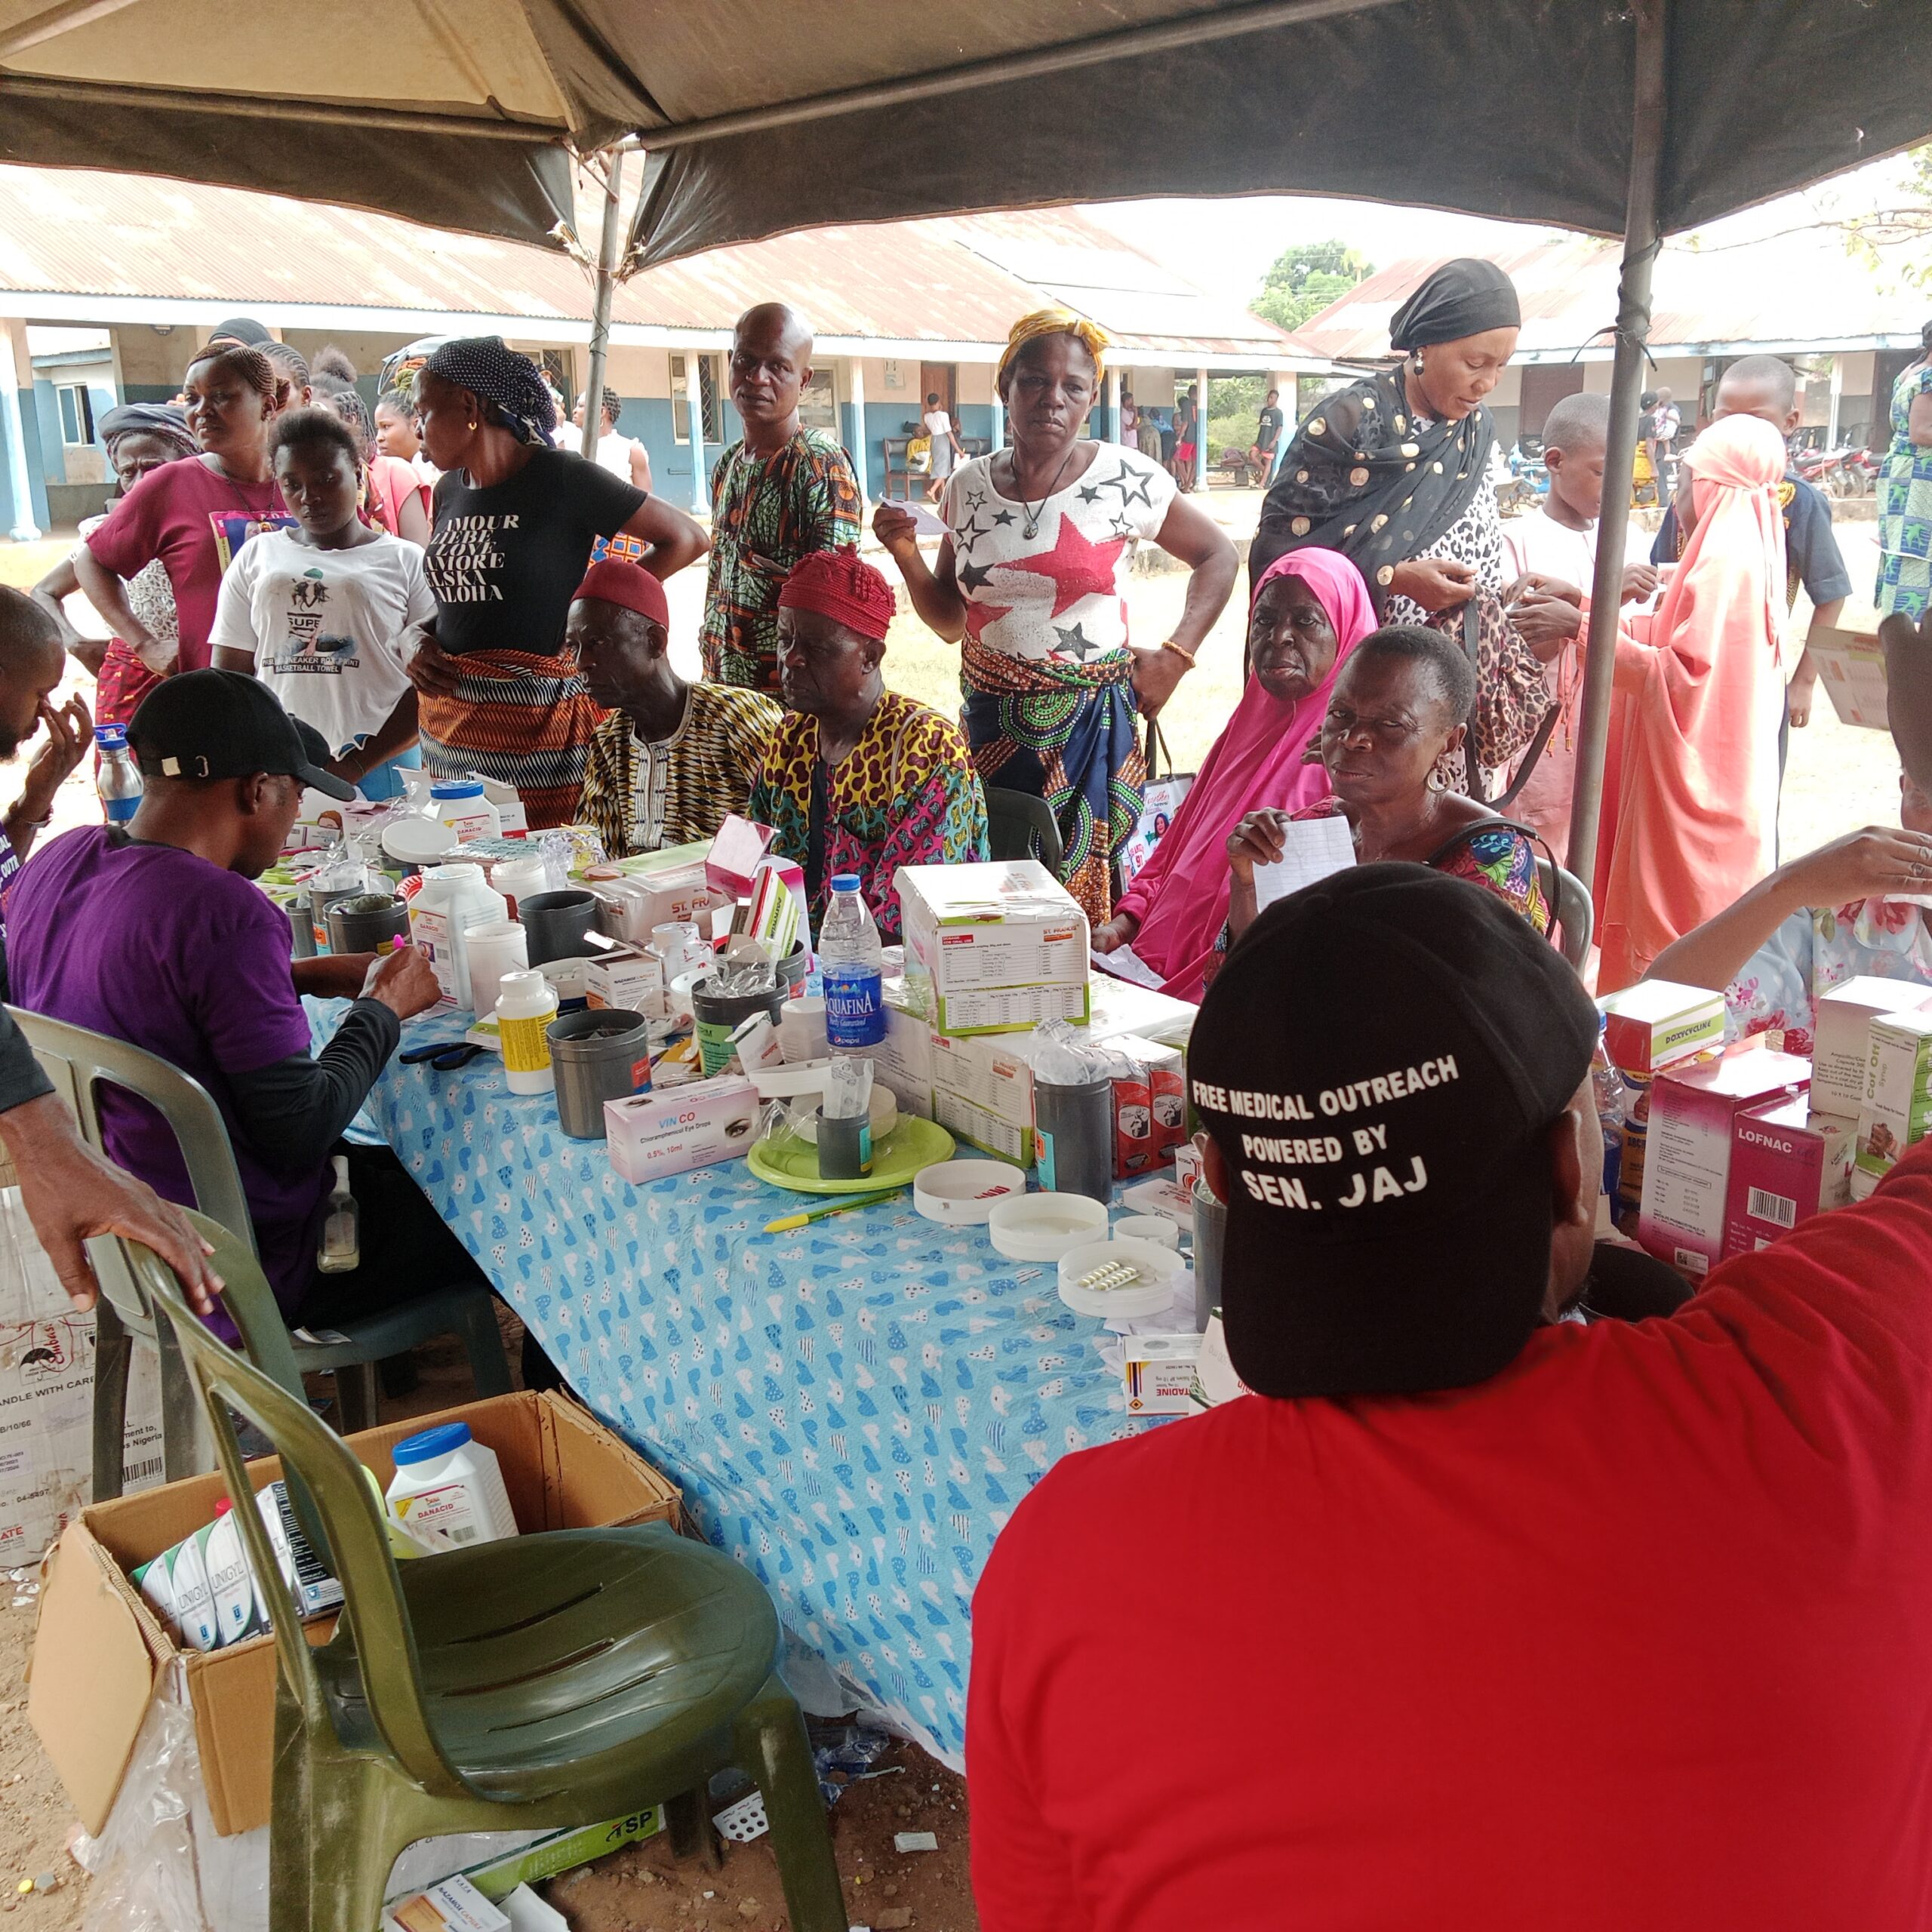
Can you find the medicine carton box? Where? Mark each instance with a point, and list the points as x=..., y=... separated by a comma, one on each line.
x=633, y=905
x=1687, y=1167
x=903, y=1061
x=1150, y=1106
x=990, y=1070
x=672, y=1129
x=1898, y=1091
x=1157, y=1374
x=998, y=947
x=99, y=1650
x=453, y=1906
x=739, y=845
x=1787, y=1163
x=627, y=979
x=1841, y=1040
x=1657, y=1023
x=984, y=1129
x=1116, y=1006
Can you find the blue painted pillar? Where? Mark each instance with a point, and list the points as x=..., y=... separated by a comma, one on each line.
x=26, y=488
x=1110, y=427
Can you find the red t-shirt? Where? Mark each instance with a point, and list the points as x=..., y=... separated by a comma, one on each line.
x=1638, y=1634
x=166, y=515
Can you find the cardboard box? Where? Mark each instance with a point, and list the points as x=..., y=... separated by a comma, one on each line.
x=1116, y=1007
x=46, y=1353
x=672, y=1129
x=1898, y=1091
x=1787, y=1164
x=999, y=946
x=99, y=1646
x=988, y=1070
x=627, y=979
x=959, y=1115
x=453, y=1906
x=1840, y=1038
x=1687, y=1167
x=734, y=854
x=633, y=906
x=1150, y=1109
x=1157, y=1372
x=903, y=1061
x=1657, y=1023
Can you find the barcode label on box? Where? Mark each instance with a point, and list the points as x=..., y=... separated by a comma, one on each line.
x=1765, y=1206
x=149, y=1467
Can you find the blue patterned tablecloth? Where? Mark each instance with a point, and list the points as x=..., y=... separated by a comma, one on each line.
x=853, y=1409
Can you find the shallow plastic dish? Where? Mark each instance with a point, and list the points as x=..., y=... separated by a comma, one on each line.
x=788, y=1162
x=1161, y=1272
x=1156, y=1228
x=964, y=1193
x=1042, y=1227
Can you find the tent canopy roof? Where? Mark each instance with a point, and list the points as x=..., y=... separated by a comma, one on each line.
x=465, y=117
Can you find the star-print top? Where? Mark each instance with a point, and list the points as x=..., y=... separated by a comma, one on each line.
x=1060, y=593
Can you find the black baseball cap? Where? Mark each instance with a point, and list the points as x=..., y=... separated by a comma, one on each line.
x=1379, y=1062
x=226, y=724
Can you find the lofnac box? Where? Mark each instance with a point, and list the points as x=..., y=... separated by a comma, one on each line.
x=1788, y=1162
x=1686, y=1168
x=995, y=947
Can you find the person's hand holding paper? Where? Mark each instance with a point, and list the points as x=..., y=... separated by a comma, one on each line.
x=1273, y=854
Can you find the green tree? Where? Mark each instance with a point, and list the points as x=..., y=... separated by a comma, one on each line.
x=1305, y=278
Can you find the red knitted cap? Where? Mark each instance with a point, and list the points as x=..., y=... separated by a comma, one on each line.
x=617, y=580
x=838, y=585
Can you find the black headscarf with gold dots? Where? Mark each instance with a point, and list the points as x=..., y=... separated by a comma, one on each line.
x=1363, y=476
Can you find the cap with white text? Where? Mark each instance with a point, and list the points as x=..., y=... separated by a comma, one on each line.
x=1379, y=1062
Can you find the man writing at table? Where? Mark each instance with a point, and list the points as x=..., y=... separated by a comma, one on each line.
x=1492, y=1621
x=154, y=933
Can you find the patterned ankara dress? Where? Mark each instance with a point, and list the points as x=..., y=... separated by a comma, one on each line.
x=905, y=794
x=767, y=511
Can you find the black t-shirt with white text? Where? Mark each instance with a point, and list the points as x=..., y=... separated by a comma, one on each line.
x=503, y=561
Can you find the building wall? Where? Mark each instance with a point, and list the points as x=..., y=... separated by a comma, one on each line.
x=152, y=363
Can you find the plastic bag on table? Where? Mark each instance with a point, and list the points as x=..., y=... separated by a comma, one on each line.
x=1060, y=1057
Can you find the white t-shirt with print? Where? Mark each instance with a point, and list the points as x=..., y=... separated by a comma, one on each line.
x=1062, y=593
x=325, y=627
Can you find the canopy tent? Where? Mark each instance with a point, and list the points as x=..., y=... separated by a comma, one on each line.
x=1637, y=117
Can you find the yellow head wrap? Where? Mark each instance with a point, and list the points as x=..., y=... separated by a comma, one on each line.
x=1055, y=322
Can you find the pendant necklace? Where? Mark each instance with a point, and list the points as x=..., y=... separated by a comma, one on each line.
x=1029, y=526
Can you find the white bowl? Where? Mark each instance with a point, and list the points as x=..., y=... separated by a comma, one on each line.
x=1156, y=1228
x=964, y=1193
x=1162, y=1271
x=1042, y=1227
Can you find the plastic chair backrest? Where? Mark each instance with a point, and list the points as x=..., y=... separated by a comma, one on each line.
x=1570, y=902
x=346, y=1514
x=77, y=1062
x=1015, y=820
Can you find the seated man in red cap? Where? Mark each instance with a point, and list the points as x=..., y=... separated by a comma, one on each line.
x=859, y=778
x=673, y=759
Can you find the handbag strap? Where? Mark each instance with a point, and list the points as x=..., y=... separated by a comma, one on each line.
x=1157, y=749
x=1472, y=764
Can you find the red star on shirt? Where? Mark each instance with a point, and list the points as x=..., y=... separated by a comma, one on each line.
x=979, y=616
x=1077, y=568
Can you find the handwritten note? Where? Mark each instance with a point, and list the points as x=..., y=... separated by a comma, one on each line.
x=1315, y=848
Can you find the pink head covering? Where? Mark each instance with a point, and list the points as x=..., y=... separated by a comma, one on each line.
x=1180, y=898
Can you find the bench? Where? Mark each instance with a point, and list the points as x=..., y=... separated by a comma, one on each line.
x=895, y=470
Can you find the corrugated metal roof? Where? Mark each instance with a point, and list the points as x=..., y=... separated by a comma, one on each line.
x=954, y=279
x=1793, y=291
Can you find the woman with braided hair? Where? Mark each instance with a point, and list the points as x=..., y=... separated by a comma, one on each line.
x=395, y=497
x=232, y=396
x=1032, y=576
x=515, y=518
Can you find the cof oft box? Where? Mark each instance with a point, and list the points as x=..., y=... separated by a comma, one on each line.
x=99, y=1648
x=994, y=947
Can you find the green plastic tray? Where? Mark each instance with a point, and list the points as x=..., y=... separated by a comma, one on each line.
x=793, y=1163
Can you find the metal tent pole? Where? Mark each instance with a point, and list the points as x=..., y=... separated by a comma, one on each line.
x=1633, y=328
x=600, y=308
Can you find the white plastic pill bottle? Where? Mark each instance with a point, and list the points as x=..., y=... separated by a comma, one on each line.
x=448, y=1491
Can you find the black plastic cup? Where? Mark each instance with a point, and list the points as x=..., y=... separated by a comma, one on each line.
x=1076, y=1138
x=557, y=923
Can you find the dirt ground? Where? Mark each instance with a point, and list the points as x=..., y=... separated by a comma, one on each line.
x=639, y=1889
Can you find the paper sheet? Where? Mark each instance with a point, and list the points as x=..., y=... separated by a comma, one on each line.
x=1124, y=963
x=1315, y=848
x=924, y=522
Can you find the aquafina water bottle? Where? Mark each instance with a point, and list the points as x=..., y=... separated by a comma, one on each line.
x=852, y=967
x=118, y=780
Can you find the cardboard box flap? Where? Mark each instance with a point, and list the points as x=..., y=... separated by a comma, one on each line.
x=92, y=1674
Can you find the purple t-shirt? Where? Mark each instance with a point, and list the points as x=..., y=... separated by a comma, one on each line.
x=158, y=947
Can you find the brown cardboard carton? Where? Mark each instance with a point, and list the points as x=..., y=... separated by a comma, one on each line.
x=99, y=1646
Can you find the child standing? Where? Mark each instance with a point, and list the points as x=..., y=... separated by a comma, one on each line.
x=318, y=613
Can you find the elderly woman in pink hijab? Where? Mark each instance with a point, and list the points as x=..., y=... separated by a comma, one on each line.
x=1694, y=823
x=1311, y=609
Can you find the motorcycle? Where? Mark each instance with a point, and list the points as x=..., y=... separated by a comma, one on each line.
x=1526, y=480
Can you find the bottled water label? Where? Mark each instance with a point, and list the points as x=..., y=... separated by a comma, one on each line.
x=854, y=1005
x=119, y=811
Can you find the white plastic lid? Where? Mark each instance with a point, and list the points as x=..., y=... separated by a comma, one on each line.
x=416, y=840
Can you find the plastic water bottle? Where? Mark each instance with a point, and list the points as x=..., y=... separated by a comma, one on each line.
x=119, y=780
x=1614, y=1106
x=852, y=965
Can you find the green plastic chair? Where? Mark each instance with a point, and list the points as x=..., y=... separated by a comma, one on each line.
x=77, y=1061
x=542, y=1683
